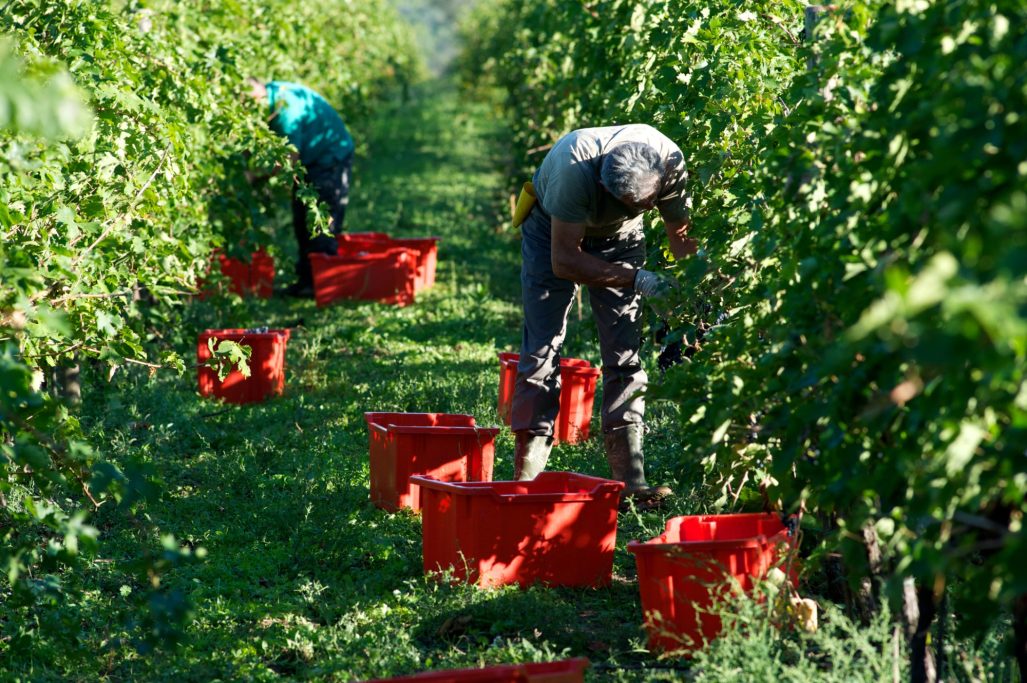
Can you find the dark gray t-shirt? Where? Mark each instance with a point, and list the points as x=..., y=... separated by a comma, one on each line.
x=567, y=182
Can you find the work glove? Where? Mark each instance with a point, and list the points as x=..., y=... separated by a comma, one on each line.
x=656, y=290
x=652, y=286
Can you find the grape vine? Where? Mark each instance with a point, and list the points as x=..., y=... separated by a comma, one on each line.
x=858, y=189
x=125, y=143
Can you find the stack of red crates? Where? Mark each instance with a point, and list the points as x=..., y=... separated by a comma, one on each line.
x=577, y=396
x=356, y=243
x=376, y=267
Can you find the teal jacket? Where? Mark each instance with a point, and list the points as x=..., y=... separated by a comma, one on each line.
x=310, y=123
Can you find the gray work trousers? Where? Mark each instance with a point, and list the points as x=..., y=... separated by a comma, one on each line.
x=547, y=300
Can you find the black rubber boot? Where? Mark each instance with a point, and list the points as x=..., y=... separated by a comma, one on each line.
x=627, y=464
x=531, y=453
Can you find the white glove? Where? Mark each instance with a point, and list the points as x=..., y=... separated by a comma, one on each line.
x=650, y=285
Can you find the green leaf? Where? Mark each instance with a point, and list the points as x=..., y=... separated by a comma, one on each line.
x=108, y=324
x=961, y=451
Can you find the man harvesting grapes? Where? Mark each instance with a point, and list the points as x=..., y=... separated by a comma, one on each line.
x=325, y=150
x=586, y=229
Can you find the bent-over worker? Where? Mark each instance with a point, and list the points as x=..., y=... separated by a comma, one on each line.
x=586, y=229
x=325, y=149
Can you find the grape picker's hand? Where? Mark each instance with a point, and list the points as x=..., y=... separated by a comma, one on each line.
x=656, y=289
x=651, y=285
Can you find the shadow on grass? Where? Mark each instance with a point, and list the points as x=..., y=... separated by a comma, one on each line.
x=575, y=622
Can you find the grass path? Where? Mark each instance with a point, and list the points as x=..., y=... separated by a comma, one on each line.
x=304, y=579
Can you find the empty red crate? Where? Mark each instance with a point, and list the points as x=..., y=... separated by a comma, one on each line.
x=388, y=276
x=357, y=243
x=687, y=570
x=446, y=447
x=557, y=529
x=577, y=395
x=568, y=671
x=267, y=366
x=427, y=258
x=254, y=278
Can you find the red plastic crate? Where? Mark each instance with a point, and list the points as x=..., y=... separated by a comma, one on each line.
x=388, y=276
x=254, y=278
x=568, y=671
x=427, y=249
x=358, y=243
x=577, y=396
x=267, y=366
x=558, y=529
x=691, y=566
x=446, y=447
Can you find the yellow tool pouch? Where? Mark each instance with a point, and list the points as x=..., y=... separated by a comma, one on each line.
x=524, y=204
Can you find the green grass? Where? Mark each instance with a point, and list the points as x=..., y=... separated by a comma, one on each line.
x=303, y=578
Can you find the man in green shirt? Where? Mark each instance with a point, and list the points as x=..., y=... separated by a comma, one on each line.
x=586, y=230
x=325, y=148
